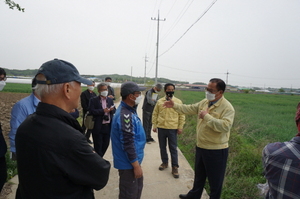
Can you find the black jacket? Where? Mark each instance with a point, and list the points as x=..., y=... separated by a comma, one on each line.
x=3, y=147
x=85, y=99
x=54, y=158
x=97, y=111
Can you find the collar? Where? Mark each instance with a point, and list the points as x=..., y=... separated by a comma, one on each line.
x=53, y=111
x=296, y=139
x=132, y=109
x=35, y=100
x=216, y=103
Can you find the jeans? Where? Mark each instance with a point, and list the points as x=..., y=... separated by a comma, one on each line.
x=170, y=136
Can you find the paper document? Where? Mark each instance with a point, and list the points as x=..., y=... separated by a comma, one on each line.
x=154, y=96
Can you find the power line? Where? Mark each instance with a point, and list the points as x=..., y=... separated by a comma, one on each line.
x=190, y=26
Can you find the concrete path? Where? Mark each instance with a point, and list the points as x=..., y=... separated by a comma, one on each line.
x=157, y=184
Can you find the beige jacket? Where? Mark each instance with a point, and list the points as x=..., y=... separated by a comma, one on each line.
x=167, y=118
x=213, y=130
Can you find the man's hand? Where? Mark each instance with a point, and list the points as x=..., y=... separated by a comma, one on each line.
x=110, y=96
x=168, y=104
x=179, y=131
x=137, y=169
x=106, y=110
x=203, y=113
x=154, y=130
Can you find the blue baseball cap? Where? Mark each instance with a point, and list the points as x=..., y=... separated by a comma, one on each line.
x=59, y=71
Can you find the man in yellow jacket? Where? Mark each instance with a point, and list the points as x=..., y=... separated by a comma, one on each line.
x=168, y=123
x=214, y=121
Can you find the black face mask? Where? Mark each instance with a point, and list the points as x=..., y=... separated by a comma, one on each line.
x=169, y=95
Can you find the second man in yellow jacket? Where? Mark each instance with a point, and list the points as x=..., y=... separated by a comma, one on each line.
x=168, y=123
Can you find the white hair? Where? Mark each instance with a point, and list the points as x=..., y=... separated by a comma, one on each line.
x=45, y=89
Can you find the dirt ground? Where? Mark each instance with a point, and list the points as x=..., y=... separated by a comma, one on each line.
x=7, y=100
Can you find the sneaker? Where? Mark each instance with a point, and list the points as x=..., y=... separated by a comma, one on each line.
x=151, y=140
x=163, y=166
x=175, y=172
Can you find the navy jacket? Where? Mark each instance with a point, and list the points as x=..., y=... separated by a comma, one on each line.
x=55, y=159
x=95, y=109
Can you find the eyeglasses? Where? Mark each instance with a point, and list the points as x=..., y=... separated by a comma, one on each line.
x=3, y=78
x=210, y=90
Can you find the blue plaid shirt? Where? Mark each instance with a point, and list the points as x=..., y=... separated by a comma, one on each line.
x=282, y=169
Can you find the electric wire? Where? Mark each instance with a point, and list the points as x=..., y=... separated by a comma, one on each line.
x=190, y=27
x=179, y=17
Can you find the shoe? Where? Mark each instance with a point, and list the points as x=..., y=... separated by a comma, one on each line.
x=151, y=140
x=175, y=172
x=89, y=141
x=184, y=196
x=148, y=141
x=163, y=166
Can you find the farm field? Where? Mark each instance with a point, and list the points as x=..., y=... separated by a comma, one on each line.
x=259, y=119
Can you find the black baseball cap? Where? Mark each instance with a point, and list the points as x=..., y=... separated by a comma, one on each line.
x=59, y=71
x=129, y=88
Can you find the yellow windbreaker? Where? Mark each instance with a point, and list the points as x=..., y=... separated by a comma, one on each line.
x=167, y=118
x=213, y=130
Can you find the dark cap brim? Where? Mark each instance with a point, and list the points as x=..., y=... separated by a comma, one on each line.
x=84, y=81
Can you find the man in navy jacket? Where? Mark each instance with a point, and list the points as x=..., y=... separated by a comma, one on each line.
x=102, y=108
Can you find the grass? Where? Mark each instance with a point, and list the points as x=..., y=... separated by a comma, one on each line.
x=259, y=119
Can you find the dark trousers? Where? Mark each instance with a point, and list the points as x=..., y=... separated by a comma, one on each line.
x=101, y=139
x=3, y=173
x=170, y=136
x=129, y=186
x=209, y=164
x=147, y=123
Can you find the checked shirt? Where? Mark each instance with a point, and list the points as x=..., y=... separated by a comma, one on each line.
x=282, y=169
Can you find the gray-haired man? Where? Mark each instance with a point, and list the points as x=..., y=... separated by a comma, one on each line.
x=54, y=157
x=150, y=100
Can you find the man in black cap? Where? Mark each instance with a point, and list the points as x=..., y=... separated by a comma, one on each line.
x=54, y=157
x=128, y=141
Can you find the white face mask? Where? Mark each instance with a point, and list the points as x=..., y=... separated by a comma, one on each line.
x=91, y=88
x=138, y=100
x=210, y=96
x=107, y=83
x=104, y=93
x=2, y=84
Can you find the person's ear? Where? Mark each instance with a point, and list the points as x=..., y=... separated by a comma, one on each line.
x=67, y=90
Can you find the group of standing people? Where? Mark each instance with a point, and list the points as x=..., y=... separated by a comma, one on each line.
x=101, y=110
x=55, y=159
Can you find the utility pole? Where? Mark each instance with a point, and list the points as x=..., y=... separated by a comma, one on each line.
x=227, y=77
x=131, y=74
x=157, y=42
x=145, y=70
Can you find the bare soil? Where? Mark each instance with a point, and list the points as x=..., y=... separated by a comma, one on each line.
x=7, y=100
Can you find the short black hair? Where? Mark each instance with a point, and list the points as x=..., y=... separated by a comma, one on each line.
x=168, y=84
x=220, y=84
x=106, y=78
x=2, y=72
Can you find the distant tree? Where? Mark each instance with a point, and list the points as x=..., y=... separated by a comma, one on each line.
x=199, y=83
x=281, y=90
x=13, y=5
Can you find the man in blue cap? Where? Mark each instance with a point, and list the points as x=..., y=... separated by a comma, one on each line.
x=128, y=141
x=54, y=157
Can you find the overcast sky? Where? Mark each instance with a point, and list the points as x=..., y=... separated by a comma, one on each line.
x=256, y=41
